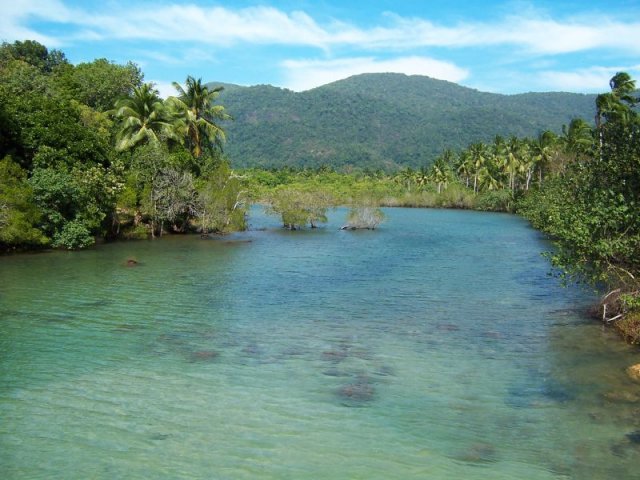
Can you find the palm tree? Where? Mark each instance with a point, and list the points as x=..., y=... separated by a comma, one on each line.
x=543, y=149
x=465, y=166
x=407, y=176
x=486, y=179
x=440, y=172
x=478, y=157
x=197, y=115
x=577, y=139
x=142, y=117
x=618, y=103
x=513, y=160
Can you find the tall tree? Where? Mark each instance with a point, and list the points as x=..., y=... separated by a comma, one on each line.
x=478, y=157
x=198, y=116
x=142, y=118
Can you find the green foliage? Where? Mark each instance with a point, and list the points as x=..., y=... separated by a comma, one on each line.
x=18, y=214
x=223, y=201
x=32, y=53
x=592, y=210
x=142, y=118
x=297, y=208
x=175, y=198
x=99, y=83
x=364, y=214
x=495, y=201
x=196, y=116
x=74, y=235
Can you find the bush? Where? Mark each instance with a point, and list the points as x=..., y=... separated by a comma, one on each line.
x=495, y=201
x=73, y=236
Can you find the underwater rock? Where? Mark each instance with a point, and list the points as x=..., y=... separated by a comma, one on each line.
x=236, y=242
x=335, y=356
x=622, y=397
x=634, y=437
x=478, y=453
x=131, y=262
x=252, y=350
x=204, y=356
x=357, y=393
x=385, y=371
x=448, y=327
x=634, y=372
x=629, y=445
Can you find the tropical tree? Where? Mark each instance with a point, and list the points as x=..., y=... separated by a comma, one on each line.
x=464, y=166
x=223, y=201
x=197, y=116
x=298, y=208
x=512, y=161
x=406, y=176
x=142, y=117
x=616, y=104
x=175, y=198
x=577, y=138
x=440, y=172
x=478, y=157
x=544, y=149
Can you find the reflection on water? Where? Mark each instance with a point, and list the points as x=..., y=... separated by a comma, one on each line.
x=434, y=347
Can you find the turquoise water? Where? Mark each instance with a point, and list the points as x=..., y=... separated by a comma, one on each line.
x=435, y=347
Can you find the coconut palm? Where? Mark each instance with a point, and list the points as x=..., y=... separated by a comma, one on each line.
x=513, y=160
x=478, y=157
x=142, y=118
x=196, y=115
x=464, y=166
x=577, y=138
x=618, y=103
x=440, y=171
x=543, y=149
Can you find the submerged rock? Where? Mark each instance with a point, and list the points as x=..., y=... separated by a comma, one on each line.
x=335, y=356
x=622, y=396
x=357, y=393
x=627, y=446
x=634, y=372
x=204, y=356
x=634, y=437
x=478, y=453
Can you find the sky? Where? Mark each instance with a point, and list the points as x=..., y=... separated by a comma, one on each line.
x=502, y=46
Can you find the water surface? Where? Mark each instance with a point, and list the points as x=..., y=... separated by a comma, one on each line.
x=435, y=347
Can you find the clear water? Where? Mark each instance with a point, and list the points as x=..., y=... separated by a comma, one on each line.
x=435, y=347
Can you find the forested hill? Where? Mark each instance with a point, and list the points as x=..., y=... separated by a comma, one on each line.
x=381, y=121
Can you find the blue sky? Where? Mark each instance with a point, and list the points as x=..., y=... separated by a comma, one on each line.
x=504, y=47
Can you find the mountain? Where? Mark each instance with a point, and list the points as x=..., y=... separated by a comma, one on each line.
x=381, y=121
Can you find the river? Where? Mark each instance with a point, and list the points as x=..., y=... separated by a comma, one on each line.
x=437, y=346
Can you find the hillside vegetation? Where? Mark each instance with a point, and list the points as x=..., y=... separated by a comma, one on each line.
x=381, y=121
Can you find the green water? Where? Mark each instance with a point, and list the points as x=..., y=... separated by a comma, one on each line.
x=434, y=348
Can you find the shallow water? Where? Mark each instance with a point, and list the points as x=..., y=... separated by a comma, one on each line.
x=435, y=347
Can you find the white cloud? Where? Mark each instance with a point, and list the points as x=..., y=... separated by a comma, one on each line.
x=592, y=79
x=212, y=25
x=16, y=15
x=306, y=74
x=165, y=89
x=531, y=30
x=536, y=34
